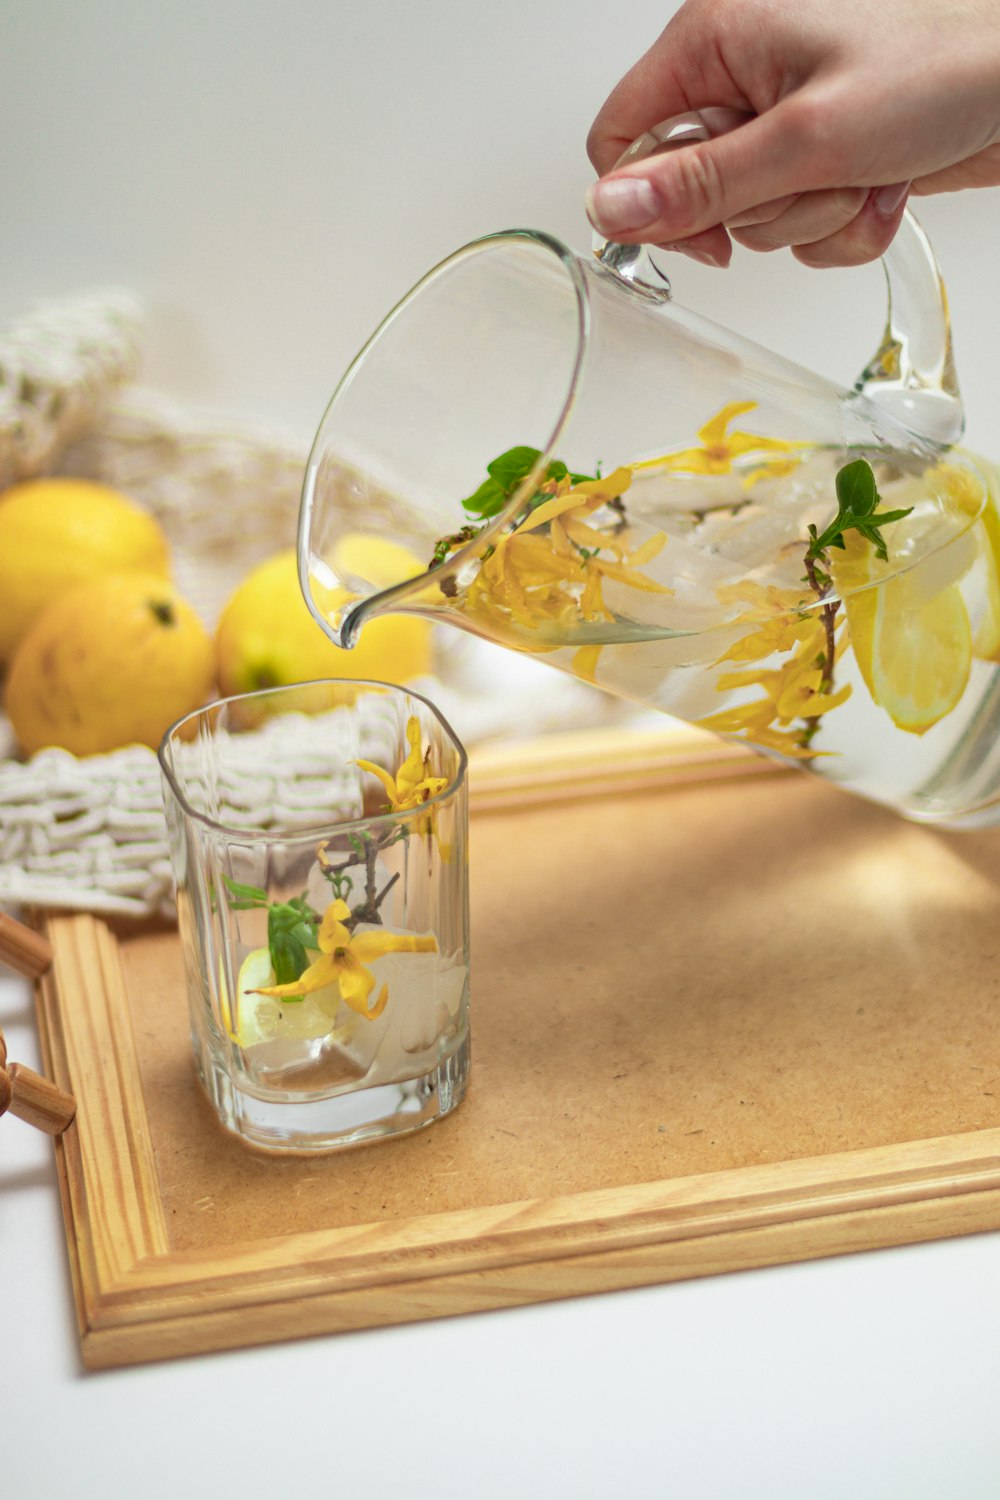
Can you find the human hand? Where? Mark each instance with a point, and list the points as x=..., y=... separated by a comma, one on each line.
x=830, y=115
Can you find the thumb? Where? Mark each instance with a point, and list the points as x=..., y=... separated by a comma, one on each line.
x=696, y=187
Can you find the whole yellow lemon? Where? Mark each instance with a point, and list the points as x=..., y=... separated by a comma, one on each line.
x=266, y=636
x=113, y=662
x=55, y=533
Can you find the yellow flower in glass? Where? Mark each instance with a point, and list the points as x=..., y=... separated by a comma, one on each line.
x=534, y=580
x=343, y=958
x=566, y=515
x=412, y=783
x=572, y=503
x=781, y=617
x=798, y=689
x=525, y=582
x=719, y=448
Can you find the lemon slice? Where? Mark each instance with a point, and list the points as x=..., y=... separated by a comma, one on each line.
x=922, y=653
x=986, y=638
x=913, y=647
x=977, y=501
x=266, y=1018
x=855, y=569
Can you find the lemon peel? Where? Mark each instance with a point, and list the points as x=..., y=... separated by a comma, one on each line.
x=113, y=662
x=266, y=636
x=56, y=534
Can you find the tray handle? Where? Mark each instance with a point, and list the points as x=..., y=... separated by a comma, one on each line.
x=23, y=1092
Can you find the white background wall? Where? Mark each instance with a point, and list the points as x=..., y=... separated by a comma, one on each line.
x=271, y=175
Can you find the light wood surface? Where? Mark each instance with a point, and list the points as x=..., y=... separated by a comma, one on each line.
x=31, y=1098
x=37, y=1101
x=700, y=1044
x=22, y=949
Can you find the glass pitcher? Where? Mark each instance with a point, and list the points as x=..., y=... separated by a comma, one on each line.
x=571, y=464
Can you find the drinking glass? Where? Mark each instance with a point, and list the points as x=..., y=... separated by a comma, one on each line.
x=318, y=836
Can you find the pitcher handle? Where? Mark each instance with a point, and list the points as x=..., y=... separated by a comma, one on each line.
x=911, y=376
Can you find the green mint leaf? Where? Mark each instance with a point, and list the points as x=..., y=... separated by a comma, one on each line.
x=885, y=516
x=857, y=501
x=857, y=493
x=558, y=470
x=286, y=958
x=288, y=955
x=874, y=536
x=282, y=918
x=302, y=905
x=287, y=921
x=825, y=539
x=488, y=500
x=304, y=933
x=506, y=472
x=246, y=895
x=511, y=467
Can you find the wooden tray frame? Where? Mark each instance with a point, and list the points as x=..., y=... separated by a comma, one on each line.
x=137, y=1300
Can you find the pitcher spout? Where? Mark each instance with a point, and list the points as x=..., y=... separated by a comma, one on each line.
x=365, y=576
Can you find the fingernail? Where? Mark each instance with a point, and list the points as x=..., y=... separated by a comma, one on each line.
x=887, y=200
x=623, y=203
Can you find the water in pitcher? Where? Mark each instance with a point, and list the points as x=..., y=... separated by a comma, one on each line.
x=703, y=527
x=837, y=609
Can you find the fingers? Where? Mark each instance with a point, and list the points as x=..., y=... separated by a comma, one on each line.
x=653, y=89
x=979, y=170
x=764, y=213
x=799, y=221
x=686, y=68
x=822, y=226
x=865, y=238
x=711, y=248
x=844, y=227
x=669, y=198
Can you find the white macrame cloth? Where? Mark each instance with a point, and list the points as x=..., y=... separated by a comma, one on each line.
x=58, y=368
x=90, y=834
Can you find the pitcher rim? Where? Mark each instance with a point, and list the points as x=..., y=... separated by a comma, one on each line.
x=384, y=600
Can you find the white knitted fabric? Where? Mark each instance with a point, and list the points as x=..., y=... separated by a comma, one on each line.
x=90, y=834
x=225, y=493
x=85, y=834
x=59, y=366
x=93, y=832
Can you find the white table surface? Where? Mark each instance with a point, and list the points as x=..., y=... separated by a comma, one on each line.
x=873, y=1376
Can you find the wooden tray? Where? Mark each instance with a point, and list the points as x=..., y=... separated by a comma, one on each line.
x=715, y=1026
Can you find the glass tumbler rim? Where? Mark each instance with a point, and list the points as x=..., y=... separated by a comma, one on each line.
x=245, y=835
